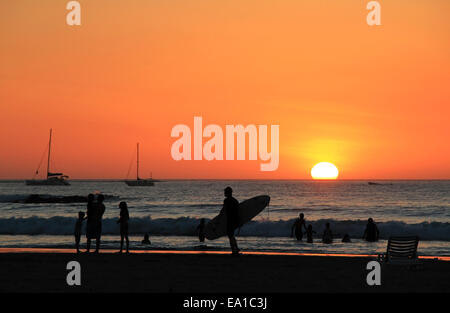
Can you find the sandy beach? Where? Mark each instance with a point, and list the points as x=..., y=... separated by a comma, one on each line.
x=203, y=273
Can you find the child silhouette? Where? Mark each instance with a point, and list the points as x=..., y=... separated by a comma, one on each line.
x=78, y=225
x=309, y=234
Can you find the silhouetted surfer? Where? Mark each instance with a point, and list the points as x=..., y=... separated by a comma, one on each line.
x=231, y=207
x=201, y=230
x=298, y=227
x=371, y=233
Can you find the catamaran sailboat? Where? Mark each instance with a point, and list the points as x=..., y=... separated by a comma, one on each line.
x=139, y=181
x=53, y=179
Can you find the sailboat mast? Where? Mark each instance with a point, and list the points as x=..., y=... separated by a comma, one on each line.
x=137, y=165
x=49, y=149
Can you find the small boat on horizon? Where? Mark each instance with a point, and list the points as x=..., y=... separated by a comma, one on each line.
x=372, y=183
x=139, y=182
x=53, y=179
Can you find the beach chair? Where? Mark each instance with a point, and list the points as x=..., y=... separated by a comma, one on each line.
x=401, y=251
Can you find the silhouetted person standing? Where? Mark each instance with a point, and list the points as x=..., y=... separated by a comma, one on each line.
x=99, y=215
x=327, y=236
x=91, y=221
x=231, y=208
x=201, y=230
x=371, y=233
x=123, y=221
x=297, y=227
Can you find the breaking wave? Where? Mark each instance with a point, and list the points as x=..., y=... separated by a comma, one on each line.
x=186, y=226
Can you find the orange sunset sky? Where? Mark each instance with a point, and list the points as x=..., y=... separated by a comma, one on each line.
x=375, y=101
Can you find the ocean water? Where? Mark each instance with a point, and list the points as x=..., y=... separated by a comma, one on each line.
x=170, y=212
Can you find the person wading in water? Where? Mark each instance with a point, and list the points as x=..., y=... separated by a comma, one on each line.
x=298, y=227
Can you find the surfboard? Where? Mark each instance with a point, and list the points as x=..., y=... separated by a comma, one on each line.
x=248, y=209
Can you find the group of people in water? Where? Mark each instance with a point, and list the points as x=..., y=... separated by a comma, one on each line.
x=96, y=209
x=371, y=233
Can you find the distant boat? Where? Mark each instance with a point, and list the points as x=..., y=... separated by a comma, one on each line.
x=53, y=179
x=139, y=181
x=372, y=183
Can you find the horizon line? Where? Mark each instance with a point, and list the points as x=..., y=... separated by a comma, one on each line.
x=242, y=179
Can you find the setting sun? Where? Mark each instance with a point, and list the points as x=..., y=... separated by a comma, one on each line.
x=324, y=170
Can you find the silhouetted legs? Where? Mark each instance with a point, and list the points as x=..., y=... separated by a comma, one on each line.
x=233, y=244
x=97, y=244
x=77, y=244
x=121, y=242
